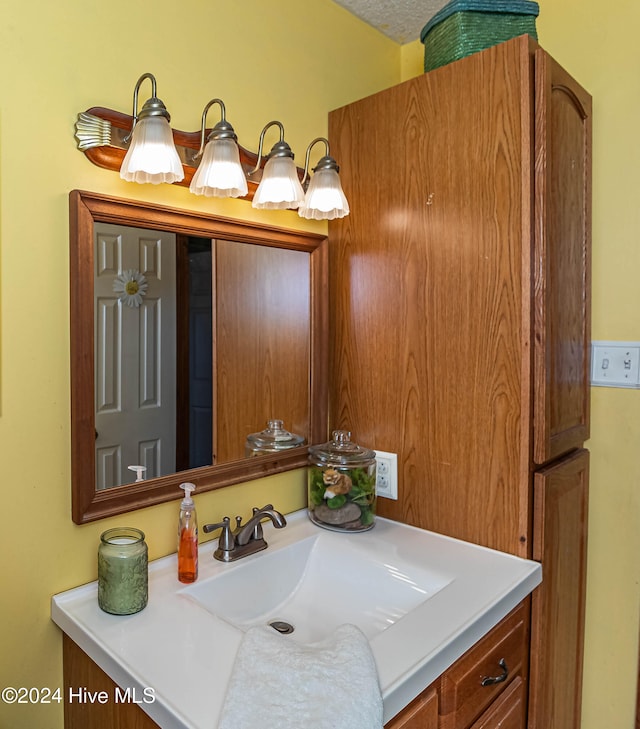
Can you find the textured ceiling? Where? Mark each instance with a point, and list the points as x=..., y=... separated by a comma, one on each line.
x=401, y=20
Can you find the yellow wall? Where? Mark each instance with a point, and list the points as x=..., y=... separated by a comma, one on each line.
x=285, y=60
x=75, y=55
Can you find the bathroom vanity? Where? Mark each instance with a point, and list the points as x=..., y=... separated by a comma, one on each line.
x=441, y=616
x=458, y=693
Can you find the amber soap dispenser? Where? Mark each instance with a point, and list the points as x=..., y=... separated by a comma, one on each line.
x=187, y=537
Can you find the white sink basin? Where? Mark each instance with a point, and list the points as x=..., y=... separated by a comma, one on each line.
x=320, y=582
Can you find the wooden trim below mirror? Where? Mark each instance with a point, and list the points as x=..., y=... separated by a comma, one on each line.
x=87, y=208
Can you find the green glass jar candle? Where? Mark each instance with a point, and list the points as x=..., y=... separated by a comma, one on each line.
x=123, y=578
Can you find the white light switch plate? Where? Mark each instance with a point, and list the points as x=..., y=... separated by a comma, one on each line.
x=615, y=364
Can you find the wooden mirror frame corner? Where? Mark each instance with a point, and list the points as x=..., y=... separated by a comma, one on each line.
x=87, y=208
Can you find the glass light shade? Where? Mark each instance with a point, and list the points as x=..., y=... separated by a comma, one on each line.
x=280, y=187
x=152, y=155
x=325, y=199
x=220, y=173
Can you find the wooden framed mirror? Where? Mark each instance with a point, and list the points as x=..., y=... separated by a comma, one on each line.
x=258, y=366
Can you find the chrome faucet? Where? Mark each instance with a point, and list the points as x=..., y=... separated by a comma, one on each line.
x=246, y=538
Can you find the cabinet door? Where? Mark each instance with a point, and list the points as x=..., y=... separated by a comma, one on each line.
x=420, y=714
x=562, y=214
x=557, y=617
x=80, y=672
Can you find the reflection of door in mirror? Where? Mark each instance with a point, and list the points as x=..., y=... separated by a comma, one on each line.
x=156, y=379
x=135, y=346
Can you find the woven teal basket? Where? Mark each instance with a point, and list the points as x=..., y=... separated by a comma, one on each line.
x=464, y=27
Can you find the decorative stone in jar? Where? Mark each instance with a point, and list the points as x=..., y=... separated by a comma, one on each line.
x=342, y=484
x=123, y=576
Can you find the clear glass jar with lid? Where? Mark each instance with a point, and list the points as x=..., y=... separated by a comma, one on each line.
x=272, y=439
x=342, y=484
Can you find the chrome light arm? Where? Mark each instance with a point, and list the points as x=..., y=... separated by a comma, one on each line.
x=279, y=149
x=324, y=163
x=222, y=130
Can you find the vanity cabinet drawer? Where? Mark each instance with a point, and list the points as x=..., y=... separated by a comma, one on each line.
x=463, y=697
x=422, y=713
x=508, y=711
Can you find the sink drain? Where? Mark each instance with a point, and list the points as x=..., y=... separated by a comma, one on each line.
x=282, y=627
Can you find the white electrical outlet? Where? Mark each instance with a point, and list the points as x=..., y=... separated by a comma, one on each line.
x=387, y=474
x=615, y=364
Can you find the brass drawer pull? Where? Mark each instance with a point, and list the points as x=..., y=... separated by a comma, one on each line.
x=490, y=680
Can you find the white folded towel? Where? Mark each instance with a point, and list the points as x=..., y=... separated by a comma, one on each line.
x=277, y=683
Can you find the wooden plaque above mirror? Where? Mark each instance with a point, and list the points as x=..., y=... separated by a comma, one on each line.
x=268, y=324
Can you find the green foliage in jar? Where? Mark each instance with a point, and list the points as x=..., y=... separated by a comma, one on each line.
x=366, y=515
x=337, y=501
x=363, y=490
x=316, y=486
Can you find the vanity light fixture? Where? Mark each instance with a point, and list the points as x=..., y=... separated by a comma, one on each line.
x=147, y=150
x=152, y=155
x=280, y=187
x=324, y=199
x=220, y=173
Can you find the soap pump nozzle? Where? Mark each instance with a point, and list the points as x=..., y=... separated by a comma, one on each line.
x=188, y=488
x=139, y=471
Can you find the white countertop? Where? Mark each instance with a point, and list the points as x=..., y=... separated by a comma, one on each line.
x=184, y=653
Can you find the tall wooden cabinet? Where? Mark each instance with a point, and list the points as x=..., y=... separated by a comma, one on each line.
x=461, y=330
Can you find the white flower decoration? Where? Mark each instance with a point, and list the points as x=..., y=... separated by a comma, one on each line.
x=132, y=286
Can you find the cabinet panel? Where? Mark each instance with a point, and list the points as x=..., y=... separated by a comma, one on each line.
x=430, y=337
x=508, y=712
x=463, y=695
x=557, y=621
x=81, y=671
x=422, y=713
x=562, y=257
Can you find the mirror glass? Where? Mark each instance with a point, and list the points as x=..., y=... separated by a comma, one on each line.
x=189, y=332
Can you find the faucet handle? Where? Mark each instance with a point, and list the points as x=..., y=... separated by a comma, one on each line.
x=257, y=529
x=226, y=541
